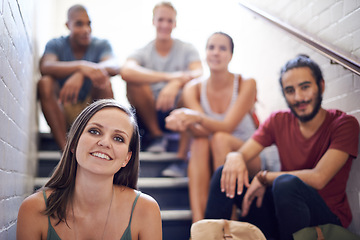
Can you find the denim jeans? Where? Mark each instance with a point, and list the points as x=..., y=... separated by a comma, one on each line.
x=288, y=206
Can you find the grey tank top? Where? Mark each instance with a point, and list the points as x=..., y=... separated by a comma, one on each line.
x=52, y=235
x=245, y=128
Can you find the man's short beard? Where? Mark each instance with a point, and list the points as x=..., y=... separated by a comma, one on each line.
x=310, y=116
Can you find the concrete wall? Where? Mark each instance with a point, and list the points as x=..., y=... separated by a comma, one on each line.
x=17, y=103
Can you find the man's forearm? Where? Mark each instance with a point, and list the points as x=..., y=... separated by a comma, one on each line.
x=111, y=66
x=138, y=74
x=60, y=69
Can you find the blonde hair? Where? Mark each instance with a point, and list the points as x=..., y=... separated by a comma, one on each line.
x=164, y=4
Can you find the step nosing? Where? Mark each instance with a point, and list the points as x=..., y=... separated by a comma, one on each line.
x=143, y=156
x=165, y=156
x=162, y=182
x=49, y=155
x=142, y=183
x=176, y=215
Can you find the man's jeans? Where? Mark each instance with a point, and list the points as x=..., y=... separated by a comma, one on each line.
x=288, y=206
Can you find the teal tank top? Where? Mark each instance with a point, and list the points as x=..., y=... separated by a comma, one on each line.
x=52, y=235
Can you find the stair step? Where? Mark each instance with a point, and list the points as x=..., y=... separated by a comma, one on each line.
x=176, y=224
x=143, y=156
x=47, y=142
x=176, y=229
x=151, y=164
x=44, y=155
x=142, y=183
x=171, y=215
x=170, y=193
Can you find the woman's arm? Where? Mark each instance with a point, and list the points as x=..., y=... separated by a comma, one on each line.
x=148, y=219
x=186, y=119
x=31, y=222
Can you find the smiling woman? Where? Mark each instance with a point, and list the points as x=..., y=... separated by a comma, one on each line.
x=105, y=139
x=92, y=193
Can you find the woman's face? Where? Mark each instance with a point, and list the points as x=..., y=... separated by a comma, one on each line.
x=103, y=147
x=218, y=52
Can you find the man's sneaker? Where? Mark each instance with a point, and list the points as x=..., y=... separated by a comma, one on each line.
x=157, y=145
x=178, y=169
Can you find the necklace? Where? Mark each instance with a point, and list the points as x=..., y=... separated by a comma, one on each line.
x=107, y=217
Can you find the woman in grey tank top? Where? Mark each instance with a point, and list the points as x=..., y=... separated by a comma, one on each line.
x=217, y=115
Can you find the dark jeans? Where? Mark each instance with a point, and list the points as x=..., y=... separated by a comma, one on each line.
x=288, y=206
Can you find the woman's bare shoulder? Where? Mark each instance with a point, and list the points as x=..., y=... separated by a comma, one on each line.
x=32, y=222
x=193, y=84
x=247, y=82
x=144, y=200
x=147, y=201
x=34, y=202
x=147, y=214
x=147, y=206
x=246, y=79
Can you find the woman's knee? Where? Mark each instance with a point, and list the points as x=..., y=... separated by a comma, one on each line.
x=217, y=139
x=200, y=143
x=199, y=155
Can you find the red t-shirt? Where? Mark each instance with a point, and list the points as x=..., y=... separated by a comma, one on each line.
x=338, y=131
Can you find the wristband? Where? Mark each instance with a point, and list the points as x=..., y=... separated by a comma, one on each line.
x=261, y=176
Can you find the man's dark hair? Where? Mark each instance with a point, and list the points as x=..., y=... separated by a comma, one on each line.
x=299, y=61
x=75, y=8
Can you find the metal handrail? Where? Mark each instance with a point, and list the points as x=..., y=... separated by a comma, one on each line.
x=327, y=50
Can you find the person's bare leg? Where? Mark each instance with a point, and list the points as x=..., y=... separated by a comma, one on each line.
x=183, y=147
x=199, y=172
x=185, y=138
x=52, y=110
x=141, y=97
x=102, y=93
x=222, y=143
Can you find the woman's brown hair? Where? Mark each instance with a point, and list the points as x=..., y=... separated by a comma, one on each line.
x=62, y=181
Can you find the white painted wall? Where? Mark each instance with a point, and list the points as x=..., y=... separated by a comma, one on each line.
x=17, y=105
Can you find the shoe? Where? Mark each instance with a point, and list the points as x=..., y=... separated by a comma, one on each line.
x=157, y=145
x=176, y=170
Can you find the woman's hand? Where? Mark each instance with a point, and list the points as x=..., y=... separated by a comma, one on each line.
x=173, y=121
x=180, y=119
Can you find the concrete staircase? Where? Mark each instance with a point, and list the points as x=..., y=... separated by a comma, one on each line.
x=170, y=193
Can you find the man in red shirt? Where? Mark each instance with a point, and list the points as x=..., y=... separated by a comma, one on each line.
x=316, y=149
